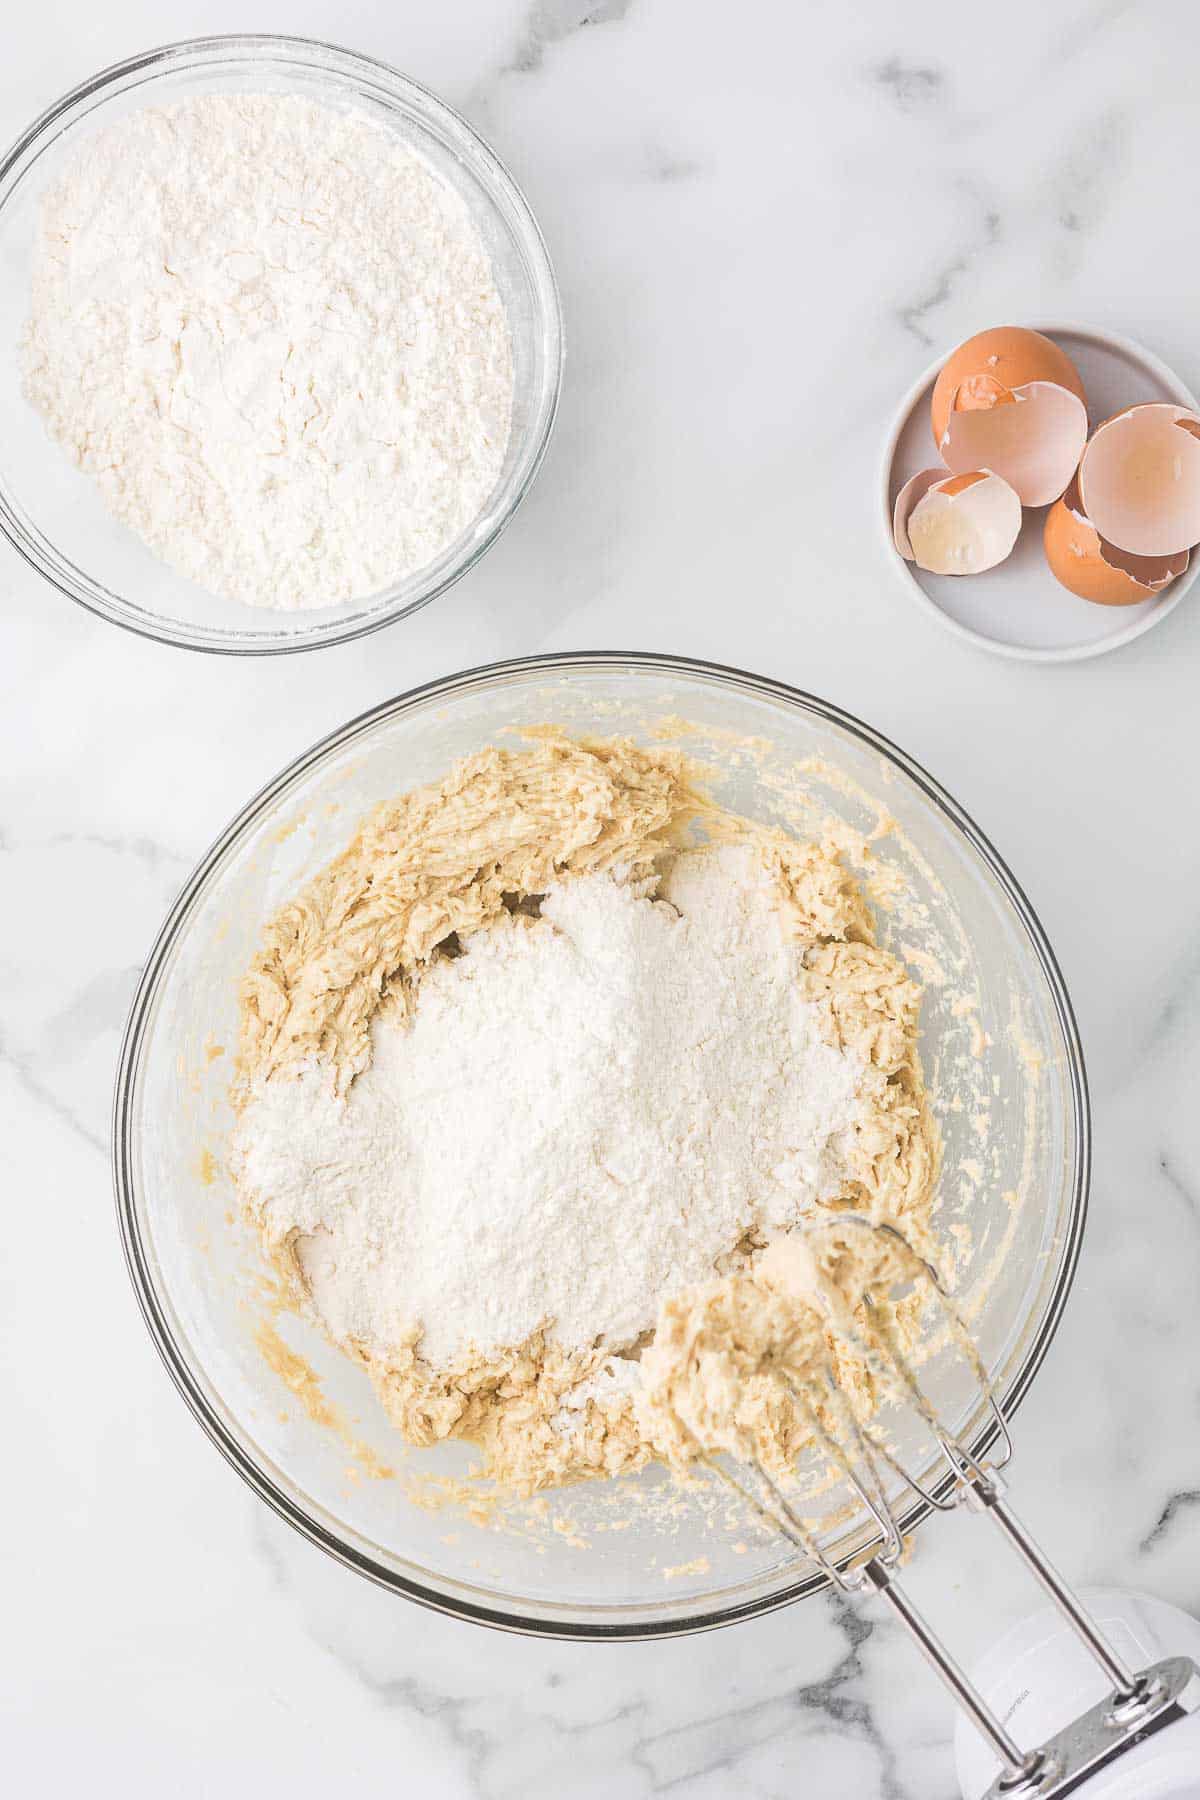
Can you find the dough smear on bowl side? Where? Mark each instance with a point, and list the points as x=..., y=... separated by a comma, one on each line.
x=551, y=1038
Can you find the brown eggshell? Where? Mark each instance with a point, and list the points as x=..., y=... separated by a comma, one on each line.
x=1097, y=571
x=1033, y=436
x=1139, y=479
x=963, y=524
x=1010, y=356
x=906, y=499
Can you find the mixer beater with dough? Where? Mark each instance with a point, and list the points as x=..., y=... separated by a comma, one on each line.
x=1140, y=1703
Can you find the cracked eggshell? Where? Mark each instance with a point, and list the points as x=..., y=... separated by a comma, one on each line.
x=961, y=524
x=1009, y=356
x=1139, y=479
x=906, y=499
x=1033, y=436
x=1095, y=570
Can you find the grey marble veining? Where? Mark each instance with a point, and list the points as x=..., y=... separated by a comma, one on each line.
x=765, y=221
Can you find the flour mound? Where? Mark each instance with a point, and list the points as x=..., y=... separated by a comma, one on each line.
x=585, y=1111
x=271, y=334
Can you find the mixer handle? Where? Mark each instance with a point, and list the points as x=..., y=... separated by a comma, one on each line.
x=1167, y=1691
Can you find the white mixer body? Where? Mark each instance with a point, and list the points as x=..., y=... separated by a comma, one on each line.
x=1038, y=1677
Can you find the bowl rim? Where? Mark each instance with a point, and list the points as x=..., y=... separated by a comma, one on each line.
x=124, y=1127
x=498, y=182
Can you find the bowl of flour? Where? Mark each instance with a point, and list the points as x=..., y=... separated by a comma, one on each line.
x=512, y=1006
x=280, y=348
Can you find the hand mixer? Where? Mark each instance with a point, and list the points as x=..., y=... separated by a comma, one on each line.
x=1141, y=1702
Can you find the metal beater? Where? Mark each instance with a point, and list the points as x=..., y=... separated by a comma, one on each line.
x=1141, y=1703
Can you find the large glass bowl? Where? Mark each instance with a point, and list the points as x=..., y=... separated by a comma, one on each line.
x=52, y=513
x=995, y=1007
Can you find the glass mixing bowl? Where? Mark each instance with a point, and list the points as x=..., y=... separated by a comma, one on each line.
x=52, y=513
x=636, y=1557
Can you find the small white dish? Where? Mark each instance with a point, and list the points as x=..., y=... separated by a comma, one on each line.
x=1018, y=609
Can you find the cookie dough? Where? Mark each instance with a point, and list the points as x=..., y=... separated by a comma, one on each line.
x=447, y=860
x=729, y=1356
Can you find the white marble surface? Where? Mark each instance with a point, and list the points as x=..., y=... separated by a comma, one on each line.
x=763, y=217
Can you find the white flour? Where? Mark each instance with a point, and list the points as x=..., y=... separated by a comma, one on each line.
x=271, y=334
x=585, y=1112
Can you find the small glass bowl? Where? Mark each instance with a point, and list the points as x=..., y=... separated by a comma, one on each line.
x=52, y=512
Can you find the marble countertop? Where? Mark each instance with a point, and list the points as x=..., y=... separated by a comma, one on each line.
x=765, y=220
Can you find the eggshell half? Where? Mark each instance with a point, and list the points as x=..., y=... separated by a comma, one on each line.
x=963, y=524
x=1139, y=479
x=1033, y=436
x=1083, y=562
x=906, y=499
x=1009, y=356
